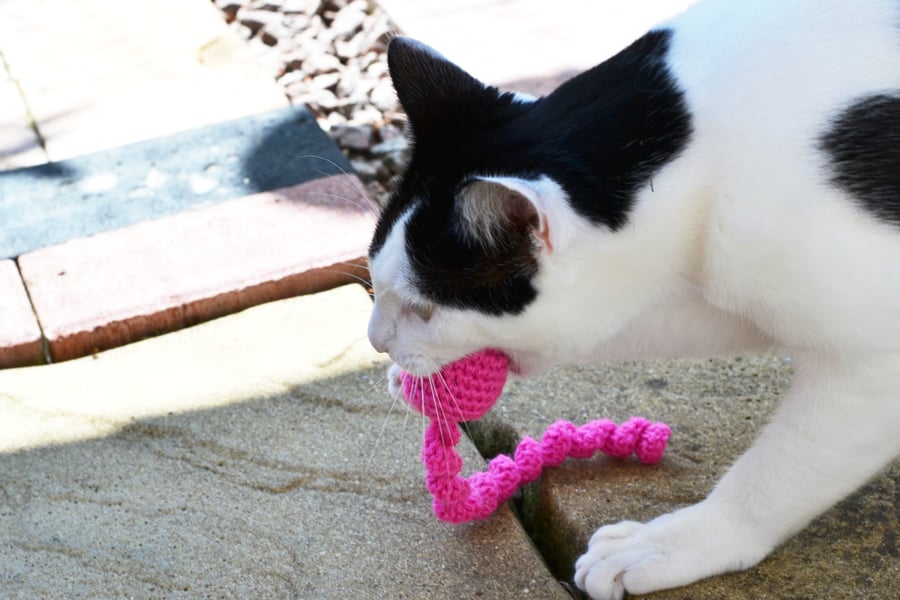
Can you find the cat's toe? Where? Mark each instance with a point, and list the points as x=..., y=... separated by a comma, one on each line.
x=601, y=578
x=613, y=553
x=617, y=531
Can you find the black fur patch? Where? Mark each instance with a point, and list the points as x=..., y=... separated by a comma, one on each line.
x=453, y=270
x=863, y=145
x=601, y=135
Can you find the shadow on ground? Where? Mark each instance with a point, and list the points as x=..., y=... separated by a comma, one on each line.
x=55, y=202
x=301, y=494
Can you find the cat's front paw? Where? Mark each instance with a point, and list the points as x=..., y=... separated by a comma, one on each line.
x=672, y=550
x=395, y=380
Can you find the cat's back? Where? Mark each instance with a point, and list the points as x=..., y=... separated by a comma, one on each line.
x=795, y=107
x=783, y=62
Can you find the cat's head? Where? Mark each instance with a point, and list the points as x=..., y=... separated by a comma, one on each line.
x=457, y=254
x=480, y=246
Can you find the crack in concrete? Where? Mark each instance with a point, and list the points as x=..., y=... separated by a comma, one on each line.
x=491, y=437
x=235, y=465
x=29, y=114
x=90, y=562
x=330, y=402
x=337, y=357
x=100, y=423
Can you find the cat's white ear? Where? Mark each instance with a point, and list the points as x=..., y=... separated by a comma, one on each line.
x=489, y=206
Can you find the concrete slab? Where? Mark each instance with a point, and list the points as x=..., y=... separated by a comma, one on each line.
x=715, y=409
x=254, y=456
x=157, y=276
x=21, y=342
x=98, y=74
x=20, y=146
x=52, y=203
x=519, y=44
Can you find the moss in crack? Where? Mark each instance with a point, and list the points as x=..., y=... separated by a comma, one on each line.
x=492, y=436
x=558, y=548
x=559, y=545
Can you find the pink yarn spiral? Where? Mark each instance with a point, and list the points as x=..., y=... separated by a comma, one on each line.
x=464, y=391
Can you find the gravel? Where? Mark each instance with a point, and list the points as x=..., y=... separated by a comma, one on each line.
x=331, y=55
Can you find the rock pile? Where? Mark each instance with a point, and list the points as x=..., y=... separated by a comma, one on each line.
x=331, y=55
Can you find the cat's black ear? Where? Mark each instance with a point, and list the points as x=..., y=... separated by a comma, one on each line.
x=434, y=92
x=492, y=209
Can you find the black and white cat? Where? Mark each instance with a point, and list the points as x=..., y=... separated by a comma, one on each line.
x=728, y=183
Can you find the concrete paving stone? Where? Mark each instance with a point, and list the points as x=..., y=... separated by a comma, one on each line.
x=21, y=342
x=98, y=74
x=715, y=409
x=55, y=202
x=19, y=145
x=256, y=456
x=519, y=44
x=157, y=276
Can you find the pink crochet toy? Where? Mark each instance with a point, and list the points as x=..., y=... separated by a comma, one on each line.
x=465, y=391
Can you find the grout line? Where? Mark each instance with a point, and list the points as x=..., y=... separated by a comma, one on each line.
x=490, y=438
x=32, y=121
x=45, y=343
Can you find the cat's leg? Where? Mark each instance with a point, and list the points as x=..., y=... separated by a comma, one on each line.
x=836, y=428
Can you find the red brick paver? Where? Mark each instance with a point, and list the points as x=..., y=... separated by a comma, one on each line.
x=20, y=335
x=118, y=287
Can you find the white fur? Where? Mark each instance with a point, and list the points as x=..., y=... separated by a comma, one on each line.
x=740, y=245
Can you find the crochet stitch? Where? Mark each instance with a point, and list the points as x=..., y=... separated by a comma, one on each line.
x=464, y=391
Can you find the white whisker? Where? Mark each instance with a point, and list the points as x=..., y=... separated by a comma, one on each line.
x=363, y=265
x=387, y=417
x=442, y=418
x=361, y=280
x=455, y=404
x=356, y=188
x=362, y=204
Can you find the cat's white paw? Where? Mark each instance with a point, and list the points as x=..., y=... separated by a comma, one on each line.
x=394, y=381
x=672, y=550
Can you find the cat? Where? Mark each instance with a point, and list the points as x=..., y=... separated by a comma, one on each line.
x=728, y=183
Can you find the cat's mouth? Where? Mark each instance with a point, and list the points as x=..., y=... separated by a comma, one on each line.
x=424, y=366
x=418, y=365
x=515, y=367
x=525, y=364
